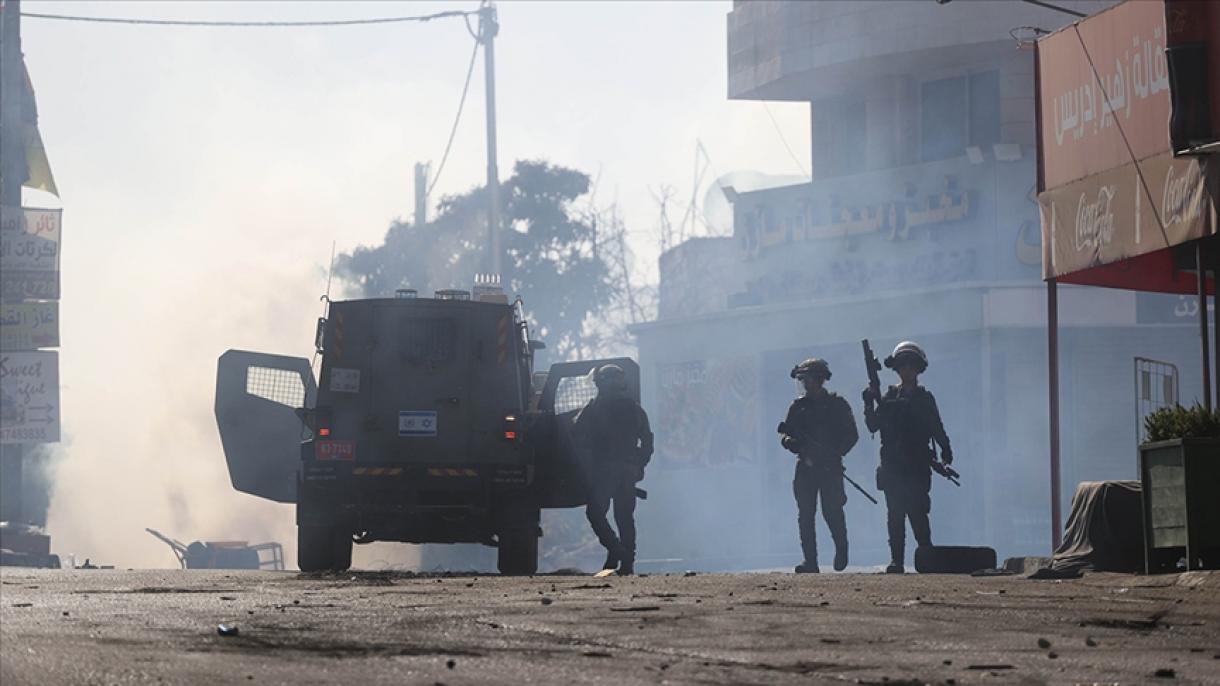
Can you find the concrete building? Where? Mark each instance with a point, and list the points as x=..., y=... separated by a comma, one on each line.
x=920, y=222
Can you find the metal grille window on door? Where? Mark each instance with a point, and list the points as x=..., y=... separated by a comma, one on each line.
x=277, y=385
x=1156, y=386
x=573, y=393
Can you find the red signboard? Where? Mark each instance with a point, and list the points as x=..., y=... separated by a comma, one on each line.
x=1111, y=187
x=1103, y=90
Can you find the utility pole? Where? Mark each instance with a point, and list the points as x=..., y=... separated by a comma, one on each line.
x=421, y=193
x=13, y=171
x=12, y=148
x=488, y=28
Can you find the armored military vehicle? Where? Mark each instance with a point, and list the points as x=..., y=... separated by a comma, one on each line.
x=426, y=424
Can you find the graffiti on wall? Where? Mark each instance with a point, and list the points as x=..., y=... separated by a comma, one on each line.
x=708, y=412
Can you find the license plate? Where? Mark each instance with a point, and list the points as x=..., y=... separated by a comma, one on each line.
x=334, y=450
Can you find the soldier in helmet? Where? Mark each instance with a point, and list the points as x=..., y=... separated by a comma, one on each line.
x=820, y=430
x=615, y=429
x=908, y=419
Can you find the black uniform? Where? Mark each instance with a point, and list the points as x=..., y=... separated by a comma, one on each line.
x=820, y=429
x=615, y=429
x=909, y=421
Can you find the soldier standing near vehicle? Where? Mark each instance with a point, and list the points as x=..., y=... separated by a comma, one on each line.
x=820, y=430
x=908, y=419
x=615, y=429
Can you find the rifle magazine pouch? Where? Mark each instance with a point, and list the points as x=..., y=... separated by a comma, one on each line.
x=880, y=478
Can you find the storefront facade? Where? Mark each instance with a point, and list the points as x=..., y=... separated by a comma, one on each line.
x=918, y=240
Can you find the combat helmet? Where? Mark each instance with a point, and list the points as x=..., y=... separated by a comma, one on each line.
x=609, y=377
x=814, y=366
x=907, y=350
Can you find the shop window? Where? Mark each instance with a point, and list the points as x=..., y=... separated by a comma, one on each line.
x=838, y=137
x=957, y=112
x=943, y=119
x=985, y=108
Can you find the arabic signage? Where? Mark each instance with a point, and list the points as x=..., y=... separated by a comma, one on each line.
x=1089, y=118
x=29, y=253
x=1126, y=212
x=29, y=397
x=29, y=325
x=767, y=224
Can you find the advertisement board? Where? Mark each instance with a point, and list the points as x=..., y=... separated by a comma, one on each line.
x=29, y=325
x=29, y=397
x=1103, y=92
x=29, y=253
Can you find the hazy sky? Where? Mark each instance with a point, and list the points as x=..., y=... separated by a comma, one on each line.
x=204, y=173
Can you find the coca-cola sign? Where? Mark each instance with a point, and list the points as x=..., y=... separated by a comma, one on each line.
x=1126, y=212
x=1094, y=219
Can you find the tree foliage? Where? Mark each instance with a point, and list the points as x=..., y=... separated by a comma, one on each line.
x=551, y=257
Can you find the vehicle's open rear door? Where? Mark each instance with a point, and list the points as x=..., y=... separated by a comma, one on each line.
x=563, y=465
x=257, y=398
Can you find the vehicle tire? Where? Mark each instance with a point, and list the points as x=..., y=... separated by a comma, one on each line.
x=953, y=559
x=518, y=552
x=316, y=548
x=341, y=547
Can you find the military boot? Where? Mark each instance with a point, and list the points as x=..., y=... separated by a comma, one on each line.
x=626, y=566
x=897, y=555
x=612, y=560
x=840, y=555
x=808, y=568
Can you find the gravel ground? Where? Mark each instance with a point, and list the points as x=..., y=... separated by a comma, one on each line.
x=136, y=627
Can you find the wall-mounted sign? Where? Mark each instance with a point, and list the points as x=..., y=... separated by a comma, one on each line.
x=29, y=325
x=29, y=397
x=29, y=253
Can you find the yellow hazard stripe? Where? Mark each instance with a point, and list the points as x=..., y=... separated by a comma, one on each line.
x=450, y=471
x=378, y=471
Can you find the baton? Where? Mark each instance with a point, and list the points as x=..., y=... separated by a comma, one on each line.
x=851, y=481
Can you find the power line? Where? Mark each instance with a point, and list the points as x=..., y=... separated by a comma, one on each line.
x=453, y=131
x=249, y=24
x=784, y=140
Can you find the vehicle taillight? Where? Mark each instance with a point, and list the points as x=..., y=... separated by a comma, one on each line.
x=510, y=427
x=323, y=432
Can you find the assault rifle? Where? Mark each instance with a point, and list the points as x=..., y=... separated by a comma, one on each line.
x=872, y=366
x=784, y=429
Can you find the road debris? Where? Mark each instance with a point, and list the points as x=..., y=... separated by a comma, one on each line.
x=227, y=630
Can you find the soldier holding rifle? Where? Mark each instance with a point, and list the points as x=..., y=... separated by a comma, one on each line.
x=820, y=430
x=910, y=426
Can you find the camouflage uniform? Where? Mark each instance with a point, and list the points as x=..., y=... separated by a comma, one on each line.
x=909, y=421
x=820, y=429
x=616, y=430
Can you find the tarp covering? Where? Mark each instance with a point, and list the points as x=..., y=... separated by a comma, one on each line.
x=1105, y=530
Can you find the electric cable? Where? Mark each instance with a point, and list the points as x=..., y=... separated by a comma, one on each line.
x=456, y=120
x=784, y=140
x=249, y=24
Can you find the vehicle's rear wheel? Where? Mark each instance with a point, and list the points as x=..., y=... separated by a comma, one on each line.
x=323, y=548
x=518, y=552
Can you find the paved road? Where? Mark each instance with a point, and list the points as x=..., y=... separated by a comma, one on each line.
x=137, y=627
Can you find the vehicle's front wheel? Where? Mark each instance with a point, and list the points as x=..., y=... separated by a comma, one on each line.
x=518, y=552
x=323, y=548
